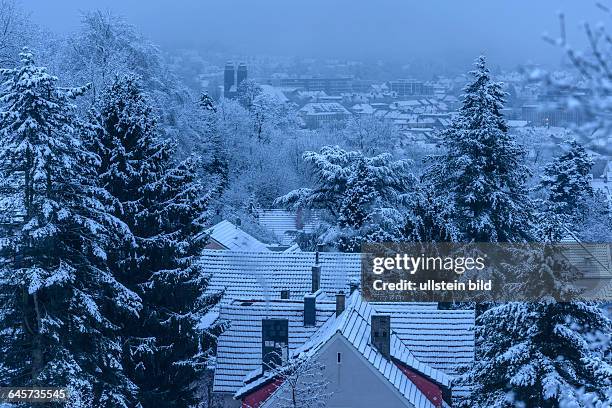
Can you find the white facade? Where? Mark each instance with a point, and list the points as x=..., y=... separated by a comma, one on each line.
x=352, y=383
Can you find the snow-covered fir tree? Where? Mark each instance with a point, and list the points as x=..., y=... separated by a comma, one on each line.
x=427, y=218
x=596, y=221
x=164, y=205
x=217, y=165
x=543, y=352
x=362, y=194
x=567, y=183
x=535, y=354
x=59, y=303
x=481, y=175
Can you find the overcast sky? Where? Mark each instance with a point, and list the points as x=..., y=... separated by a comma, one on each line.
x=508, y=31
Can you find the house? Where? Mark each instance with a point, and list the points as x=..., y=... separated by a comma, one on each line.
x=275, y=93
x=317, y=114
x=285, y=225
x=369, y=354
x=227, y=236
x=302, y=294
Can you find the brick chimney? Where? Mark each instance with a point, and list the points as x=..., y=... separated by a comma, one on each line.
x=274, y=342
x=340, y=303
x=310, y=310
x=381, y=334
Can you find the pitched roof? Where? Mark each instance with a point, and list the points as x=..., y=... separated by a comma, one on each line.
x=415, y=341
x=262, y=275
x=354, y=325
x=239, y=346
x=234, y=238
x=444, y=339
x=323, y=108
x=592, y=259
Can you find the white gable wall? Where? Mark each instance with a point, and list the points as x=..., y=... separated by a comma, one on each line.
x=354, y=383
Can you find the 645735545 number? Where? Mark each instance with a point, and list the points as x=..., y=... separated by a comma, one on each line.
x=33, y=394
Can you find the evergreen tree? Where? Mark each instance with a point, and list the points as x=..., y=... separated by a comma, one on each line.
x=481, y=175
x=547, y=350
x=164, y=206
x=58, y=300
x=207, y=104
x=536, y=354
x=568, y=185
x=218, y=164
x=364, y=195
x=596, y=221
x=427, y=219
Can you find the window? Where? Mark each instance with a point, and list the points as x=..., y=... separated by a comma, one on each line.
x=339, y=358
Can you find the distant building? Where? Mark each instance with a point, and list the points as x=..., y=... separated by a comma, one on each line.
x=315, y=115
x=228, y=79
x=411, y=87
x=233, y=77
x=330, y=85
x=241, y=73
x=540, y=115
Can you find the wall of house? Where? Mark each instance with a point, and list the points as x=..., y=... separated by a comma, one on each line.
x=353, y=383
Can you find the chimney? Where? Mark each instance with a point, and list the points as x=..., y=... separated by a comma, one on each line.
x=381, y=334
x=316, y=278
x=340, y=303
x=310, y=310
x=274, y=342
x=285, y=294
x=217, y=218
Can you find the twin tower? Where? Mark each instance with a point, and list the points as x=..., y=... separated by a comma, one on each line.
x=232, y=78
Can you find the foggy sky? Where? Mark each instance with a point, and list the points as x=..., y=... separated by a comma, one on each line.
x=509, y=32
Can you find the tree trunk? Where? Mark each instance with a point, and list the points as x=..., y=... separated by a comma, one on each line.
x=37, y=343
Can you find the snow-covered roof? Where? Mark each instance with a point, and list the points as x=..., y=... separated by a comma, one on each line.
x=285, y=224
x=363, y=108
x=234, y=238
x=239, y=346
x=354, y=325
x=293, y=248
x=274, y=92
x=592, y=259
x=323, y=108
x=263, y=275
x=443, y=339
x=517, y=123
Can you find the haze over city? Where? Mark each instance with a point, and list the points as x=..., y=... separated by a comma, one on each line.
x=447, y=31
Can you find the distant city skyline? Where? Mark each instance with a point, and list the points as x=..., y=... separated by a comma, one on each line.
x=446, y=31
